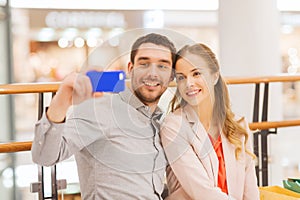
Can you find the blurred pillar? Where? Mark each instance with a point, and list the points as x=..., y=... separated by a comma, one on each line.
x=249, y=46
x=6, y=101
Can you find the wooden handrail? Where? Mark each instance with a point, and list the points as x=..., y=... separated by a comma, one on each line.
x=273, y=124
x=20, y=88
x=255, y=79
x=53, y=86
x=15, y=147
x=262, y=79
x=26, y=146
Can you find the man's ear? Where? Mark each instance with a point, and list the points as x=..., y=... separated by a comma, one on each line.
x=129, y=67
x=217, y=75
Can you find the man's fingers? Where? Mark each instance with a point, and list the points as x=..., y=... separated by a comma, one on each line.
x=92, y=68
x=98, y=94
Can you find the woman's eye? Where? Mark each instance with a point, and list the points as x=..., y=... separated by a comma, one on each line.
x=196, y=74
x=179, y=78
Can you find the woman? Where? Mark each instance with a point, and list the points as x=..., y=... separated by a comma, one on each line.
x=207, y=146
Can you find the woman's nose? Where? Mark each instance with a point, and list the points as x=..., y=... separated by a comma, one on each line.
x=189, y=81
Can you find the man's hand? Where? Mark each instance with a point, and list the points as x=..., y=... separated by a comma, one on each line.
x=74, y=89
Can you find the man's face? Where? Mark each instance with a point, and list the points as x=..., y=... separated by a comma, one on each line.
x=151, y=72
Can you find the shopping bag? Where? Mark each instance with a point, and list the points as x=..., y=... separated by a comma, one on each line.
x=277, y=193
x=292, y=184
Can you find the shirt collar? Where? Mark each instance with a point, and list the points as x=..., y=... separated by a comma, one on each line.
x=130, y=98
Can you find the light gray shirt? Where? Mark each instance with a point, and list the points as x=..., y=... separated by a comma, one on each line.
x=115, y=140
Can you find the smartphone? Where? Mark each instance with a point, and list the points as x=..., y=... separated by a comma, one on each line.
x=107, y=81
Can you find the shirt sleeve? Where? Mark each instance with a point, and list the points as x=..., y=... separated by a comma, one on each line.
x=54, y=142
x=185, y=164
x=48, y=146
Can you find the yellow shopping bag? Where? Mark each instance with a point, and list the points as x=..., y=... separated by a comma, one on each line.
x=277, y=193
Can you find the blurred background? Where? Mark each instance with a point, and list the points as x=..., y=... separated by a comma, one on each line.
x=44, y=40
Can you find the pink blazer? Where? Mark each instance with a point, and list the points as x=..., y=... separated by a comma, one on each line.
x=193, y=164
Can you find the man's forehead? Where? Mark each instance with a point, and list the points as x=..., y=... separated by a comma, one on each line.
x=153, y=51
x=151, y=46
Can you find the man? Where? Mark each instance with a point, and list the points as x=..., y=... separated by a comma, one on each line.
x=115, y=137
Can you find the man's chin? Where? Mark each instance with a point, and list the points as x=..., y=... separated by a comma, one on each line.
x=148, y=97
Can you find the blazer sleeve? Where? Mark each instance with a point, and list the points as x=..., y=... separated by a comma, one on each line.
x=184, y=162
x=251, y=191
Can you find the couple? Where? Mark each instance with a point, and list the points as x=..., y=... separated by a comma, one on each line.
x=122, y=151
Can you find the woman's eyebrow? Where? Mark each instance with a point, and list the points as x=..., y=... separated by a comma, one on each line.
x=195, y=69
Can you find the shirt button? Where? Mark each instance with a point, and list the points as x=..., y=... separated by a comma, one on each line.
x=40, y=143
x=53, y=129
x=46, y=125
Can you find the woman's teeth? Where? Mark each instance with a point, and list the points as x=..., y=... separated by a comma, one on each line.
x=193, y=92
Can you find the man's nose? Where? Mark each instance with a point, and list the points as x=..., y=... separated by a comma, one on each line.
x=153, y=69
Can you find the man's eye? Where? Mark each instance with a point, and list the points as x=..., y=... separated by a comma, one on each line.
x=144, y=64
x=163, y=67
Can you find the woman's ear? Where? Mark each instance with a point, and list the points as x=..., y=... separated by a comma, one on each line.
x=216, y=76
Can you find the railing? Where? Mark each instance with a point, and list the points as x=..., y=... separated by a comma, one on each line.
x=41, y=89
x=263, y=126
x=24, y=88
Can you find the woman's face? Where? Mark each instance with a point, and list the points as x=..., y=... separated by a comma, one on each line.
x=195, y=82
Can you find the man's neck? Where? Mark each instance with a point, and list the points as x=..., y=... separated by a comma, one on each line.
x=152, y=107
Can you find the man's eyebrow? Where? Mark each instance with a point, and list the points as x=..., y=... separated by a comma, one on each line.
x=143, y=58
x=165, y=61
x=147, y=58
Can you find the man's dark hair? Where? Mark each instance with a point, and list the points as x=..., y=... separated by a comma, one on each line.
x=153, y=38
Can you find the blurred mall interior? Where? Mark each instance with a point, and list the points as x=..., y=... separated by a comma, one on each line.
x=43, y=40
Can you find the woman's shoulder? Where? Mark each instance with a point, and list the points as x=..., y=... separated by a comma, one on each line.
x=173, y=119
x=174, y=128
x=178, y=113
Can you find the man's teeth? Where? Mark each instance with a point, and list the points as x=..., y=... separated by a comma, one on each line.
x=151, y=84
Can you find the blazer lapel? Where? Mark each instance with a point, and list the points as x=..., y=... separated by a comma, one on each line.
x=206, y=149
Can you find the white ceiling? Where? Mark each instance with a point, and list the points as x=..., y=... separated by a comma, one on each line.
x=210, y=5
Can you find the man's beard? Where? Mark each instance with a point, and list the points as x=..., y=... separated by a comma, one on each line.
x=145, y=99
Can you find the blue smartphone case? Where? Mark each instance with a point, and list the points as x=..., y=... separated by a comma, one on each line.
x=107, y=81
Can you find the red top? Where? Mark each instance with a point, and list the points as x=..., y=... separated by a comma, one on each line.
x=222, y=171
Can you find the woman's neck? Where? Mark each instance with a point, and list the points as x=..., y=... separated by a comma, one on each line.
x=205, y=114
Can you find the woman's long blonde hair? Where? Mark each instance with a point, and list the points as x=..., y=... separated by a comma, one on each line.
x=222, y=112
